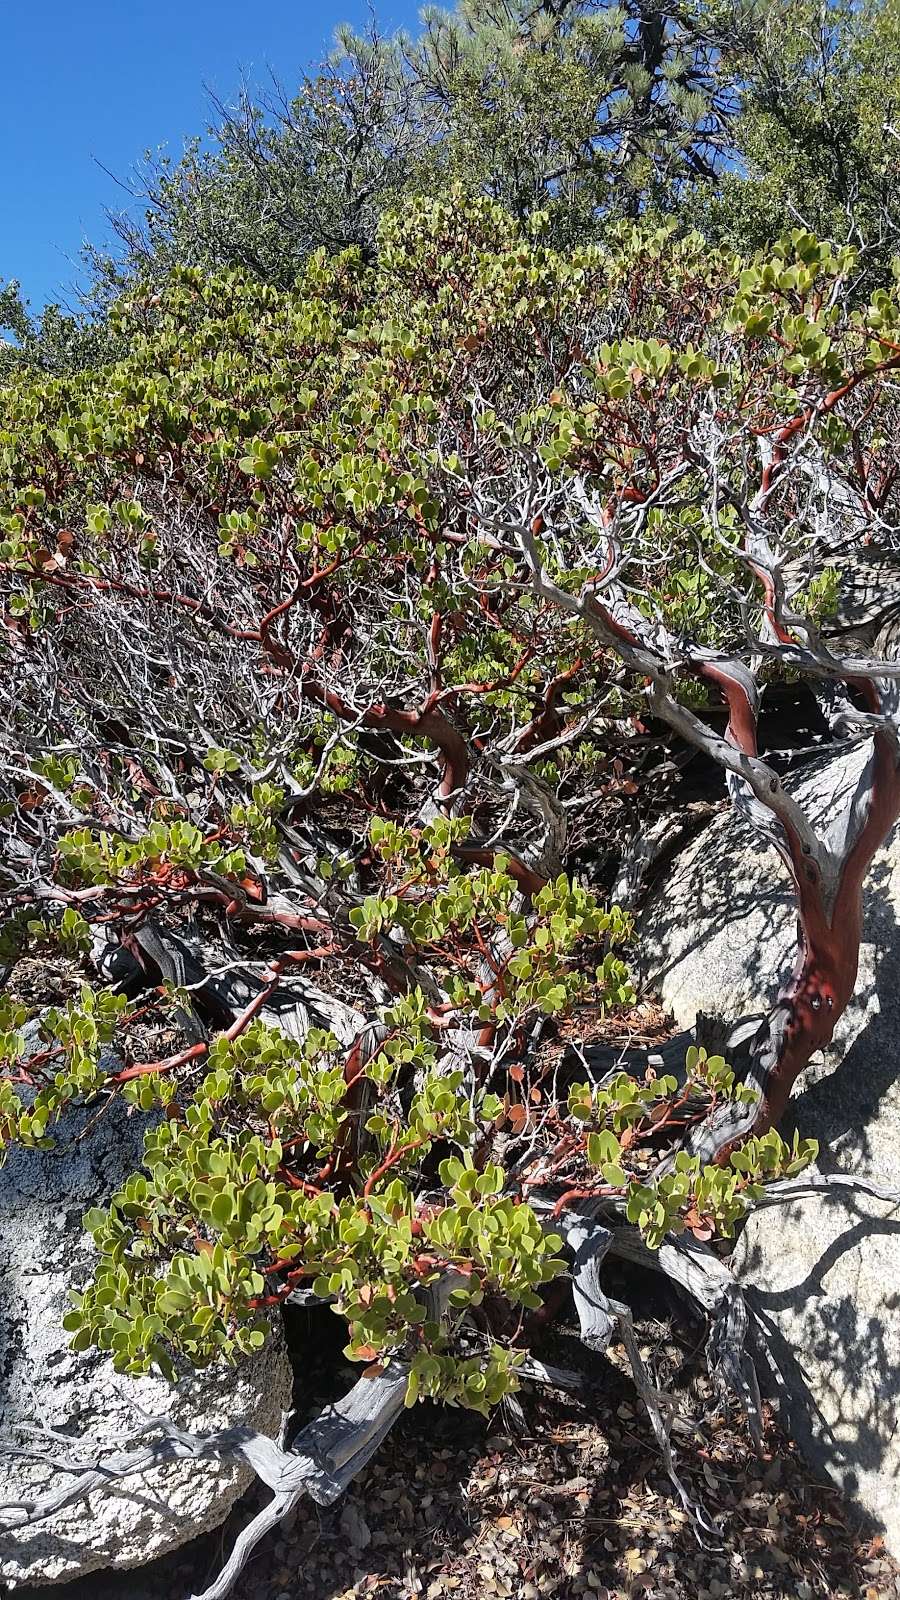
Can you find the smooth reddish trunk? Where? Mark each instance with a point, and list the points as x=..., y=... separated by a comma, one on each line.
x=824, y=979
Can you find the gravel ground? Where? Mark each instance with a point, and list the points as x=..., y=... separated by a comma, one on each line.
x=556, y=1496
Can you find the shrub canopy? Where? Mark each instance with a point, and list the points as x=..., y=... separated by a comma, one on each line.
x=299, y=654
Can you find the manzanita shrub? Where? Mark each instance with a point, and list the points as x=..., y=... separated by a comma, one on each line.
x=306, y=656
x=270, y=1168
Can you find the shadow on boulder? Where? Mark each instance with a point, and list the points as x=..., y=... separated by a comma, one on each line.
x=824, y=1274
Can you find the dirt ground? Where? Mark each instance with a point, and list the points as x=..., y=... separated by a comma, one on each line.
x=558, y=1495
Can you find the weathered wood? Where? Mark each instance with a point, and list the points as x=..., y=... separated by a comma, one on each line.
x=344, y=1435
x=650, y=848
x=810, y=1183
x=564, y=1378
x=589, y=1242
x=605, y=1060
x=710, y=1283
x=599, y=1315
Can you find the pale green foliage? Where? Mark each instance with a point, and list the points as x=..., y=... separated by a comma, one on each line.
x=329, y=435
x=176, y=844
x=220, y=762
x=712, y=1199
x=23, y=931
x=74, y=1037
x=184, y=1249
x=474, y=1383
x=256, y=818
x=187, y=1251
x=192, y=1248
x=707, y=1199
x=536, y=976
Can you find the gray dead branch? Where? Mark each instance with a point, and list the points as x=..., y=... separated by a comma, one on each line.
x=599, y=1315
x=564, y=1378
x=324, y=1458
x=223, y=986
x=652, y=848
x=595, y=1230
x=808, y=1184
x=602, y=1061
x=709, y=1283
x=538, y=801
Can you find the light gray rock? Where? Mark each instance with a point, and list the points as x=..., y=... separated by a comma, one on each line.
x=824, y=1274
x=719, y=933
x=44, y=1252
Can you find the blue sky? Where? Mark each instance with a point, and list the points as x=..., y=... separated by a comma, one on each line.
x=106, y=80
